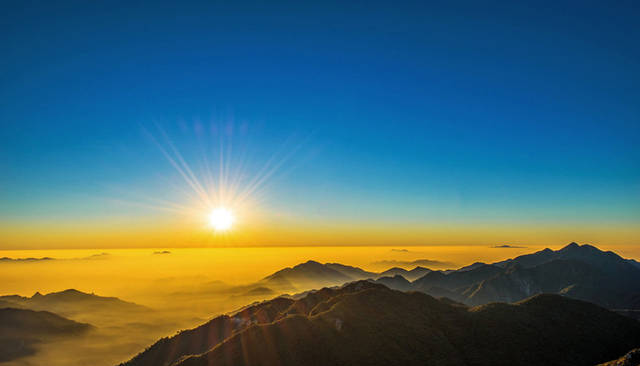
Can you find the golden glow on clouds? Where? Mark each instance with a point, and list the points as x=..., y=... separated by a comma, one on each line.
x=254, y=230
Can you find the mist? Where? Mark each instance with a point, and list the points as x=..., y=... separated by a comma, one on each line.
x=177, y=289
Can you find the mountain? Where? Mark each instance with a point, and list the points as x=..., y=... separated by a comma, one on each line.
x=578, y=271
x=364, y=323
x=471, y=266
x=584, y=253
x=201, y=339
x=71, y=302
x=352, y=272
x=634, y=263
x=312, y=274
x=396, y=282
x=632, y=358
x=21, y=330
x=455, y=280
x=306, y=275
x=411, y=275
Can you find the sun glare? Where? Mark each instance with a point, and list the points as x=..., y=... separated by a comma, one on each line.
x=221, y=219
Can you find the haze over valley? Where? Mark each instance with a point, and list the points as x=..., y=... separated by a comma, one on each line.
x=88, y=327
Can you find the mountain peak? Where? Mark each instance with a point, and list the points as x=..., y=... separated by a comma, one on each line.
x=309, y=263
x=362, y=285
x=420, y=268
x=571, y=246
x=396, y=269
x=72, y=291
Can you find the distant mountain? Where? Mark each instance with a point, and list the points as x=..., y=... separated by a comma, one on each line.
x=312, y=274
x=364, y=323
x=413, y=263
x=21, y=330
x=578, y=271
x=352, y=272
x=584, y=253
x=30, y=259
x=456, y=280
x=397, y=282
x=257, y=292
x=470, y=267
x=72, y=302
x=411, y=275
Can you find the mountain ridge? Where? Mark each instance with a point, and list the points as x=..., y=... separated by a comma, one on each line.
x=22, y=329
x=369, y=324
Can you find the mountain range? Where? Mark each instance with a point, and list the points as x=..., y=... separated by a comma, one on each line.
x=70, y=303
x=365, y=323
x=548, y=307
x=632, y=358
x=21, y=330
x=578, y=271
x=312, y=274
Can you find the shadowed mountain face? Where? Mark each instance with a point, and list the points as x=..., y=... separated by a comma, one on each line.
x=21, y=330
x=396, y=282
x=72, y=302
x=578, y=271
x=410, y=275
x=312, y=274
x=584, y=253
x=368, y=324
x=206, y=336
x=632, y=358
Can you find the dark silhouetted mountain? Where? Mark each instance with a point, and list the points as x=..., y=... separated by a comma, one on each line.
x=632, y=358
x=33, y=259
x=634, y=263
x=471, y=266
x=21, y=330
x=258, y=291
x=199, y=340
x=578, y=271
x=410, y=275
x=455, y=280
x=30, y=259
x=584, y=253
x=312, y=274
x=396, y=282
x=417, y=262
x=394, y=271
x=72, y=302
x=364, y=323
x=352, y=272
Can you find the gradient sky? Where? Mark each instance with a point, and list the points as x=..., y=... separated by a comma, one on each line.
x=395, y=122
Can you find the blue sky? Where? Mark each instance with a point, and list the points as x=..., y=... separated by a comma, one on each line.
x=402, y=111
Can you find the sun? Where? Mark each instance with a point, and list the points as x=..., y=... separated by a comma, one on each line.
x=221, y=219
